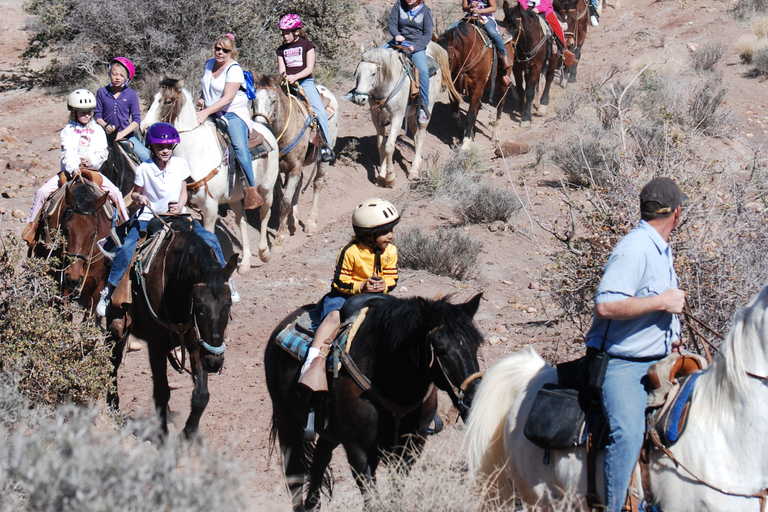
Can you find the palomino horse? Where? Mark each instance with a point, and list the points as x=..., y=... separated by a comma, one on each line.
x=384, y=399
x=289, y=119
x=576, y=14
x=210, y=171
x=84, y=222
x=382, y=81
x=471, y=68
x=183, y=300
x=533, y=54
x=720, y=461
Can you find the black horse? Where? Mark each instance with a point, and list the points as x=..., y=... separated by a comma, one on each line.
x=403, y=348
x=184, y=301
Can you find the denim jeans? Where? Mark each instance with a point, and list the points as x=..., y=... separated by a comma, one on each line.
x=624, y=400
x=238, y=133
x=493, y=32
x=421, y=63
x=140, y=149
x=125, y=253
x=313, y=96
x=593, y=3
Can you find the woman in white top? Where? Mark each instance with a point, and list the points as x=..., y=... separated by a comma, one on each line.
x=223, y=95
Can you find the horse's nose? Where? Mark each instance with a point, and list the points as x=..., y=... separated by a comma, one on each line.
x=359, y=99
x=69, y=284
x=213, y=363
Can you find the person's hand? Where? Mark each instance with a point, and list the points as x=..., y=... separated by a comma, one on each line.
x=411, y=48
x=374, y=285
x=674, y=300
x=76, y=173
x=399, y=38
x=175, y=207
x=291, y=79
x=142, y=200
x=200, y=116
x=677, y=346
x=200, y=105
x=85, y=161
x=109, y=128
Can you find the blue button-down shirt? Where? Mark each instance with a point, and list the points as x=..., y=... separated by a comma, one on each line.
x=640, y=265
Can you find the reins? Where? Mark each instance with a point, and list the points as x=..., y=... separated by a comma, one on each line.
x=529, y=55
x=458, y=391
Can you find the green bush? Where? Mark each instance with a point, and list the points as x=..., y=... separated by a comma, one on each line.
x=449, y=252
x=57, y=360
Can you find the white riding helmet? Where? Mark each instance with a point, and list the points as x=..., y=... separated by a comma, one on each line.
x=374, y=215
x=81, y=100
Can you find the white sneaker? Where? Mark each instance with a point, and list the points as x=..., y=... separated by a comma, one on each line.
x=423, y=117
x=104, y=300
x=235, y=295
x=593, y=21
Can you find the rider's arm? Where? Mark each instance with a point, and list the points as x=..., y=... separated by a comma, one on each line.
x=138, y=197
x=671, y=301
x=70, y=159
x=280, y=65
x=394, y=17
x=230, y=89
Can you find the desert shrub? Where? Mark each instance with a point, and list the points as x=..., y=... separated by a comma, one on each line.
x=484, y=204
x=589, y=155
x=175, y=38
x=77, y=458
x=705, y=58
x=58, y=360
x=760, y=63
x=448, y=252
x=748, y=45
x=747, y=7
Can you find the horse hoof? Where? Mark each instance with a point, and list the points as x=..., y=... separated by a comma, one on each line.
x=543, y=110
x=265, y=256
x=390, y=183
x=310, y=228
x=466, y=145
x=244, y=268
x=525, y=124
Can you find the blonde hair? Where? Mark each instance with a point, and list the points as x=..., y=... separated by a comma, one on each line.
x=227, y=42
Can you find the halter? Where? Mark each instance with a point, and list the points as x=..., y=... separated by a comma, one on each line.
x=575, y=32
x=529, y=55
x=380, y=104
x=288, y=148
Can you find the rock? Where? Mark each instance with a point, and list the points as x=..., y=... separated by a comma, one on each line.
x=7, y=137
x=18, y=165
x=497, y=226
x=18, y=214
x=500, y=329
x=8, y=194
x=320, y=284
x=403, y=289
x=533, y=285
x=531, y=309
x=495, y=340
x=511, y=148
x=134, y=346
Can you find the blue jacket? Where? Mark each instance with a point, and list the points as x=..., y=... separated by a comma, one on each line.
x=416, y=30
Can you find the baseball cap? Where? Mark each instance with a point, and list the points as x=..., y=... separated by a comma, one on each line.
x=661, y=195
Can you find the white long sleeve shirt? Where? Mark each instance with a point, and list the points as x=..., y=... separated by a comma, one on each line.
x=79, y=141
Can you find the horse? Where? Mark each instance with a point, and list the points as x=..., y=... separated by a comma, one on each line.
x=403, y=349
x=200, y=147
x=533, y=56
x=383, y=81
x=471, y=63
x=183, y=300
x=720, y=461
x=84, y=222
x=288, y=116
x=575, y=14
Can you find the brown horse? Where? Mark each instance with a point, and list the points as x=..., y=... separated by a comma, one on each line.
x=84, y=222
x=533, y=56
x=576, y=14
x=471, y=55
x=182, y=300
x=290, y=121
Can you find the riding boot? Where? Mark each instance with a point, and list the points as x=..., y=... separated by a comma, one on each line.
x=569, y=58
x=252, y=198
x=506, y=66
x=28, y=235
x=314, y=377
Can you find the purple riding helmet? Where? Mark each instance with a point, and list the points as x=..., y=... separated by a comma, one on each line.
x=290, y=22
x=162, y=133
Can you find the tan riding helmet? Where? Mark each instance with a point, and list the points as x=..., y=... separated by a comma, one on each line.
x=374, y=215
x=81, y=100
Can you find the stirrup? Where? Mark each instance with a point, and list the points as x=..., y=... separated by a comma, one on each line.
x=309, y=428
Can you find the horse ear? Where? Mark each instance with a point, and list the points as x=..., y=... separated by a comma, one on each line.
x=505, y=6
x=231, y=266
x=179, y=85
x=97, y=204
x=280, y=78
x=470, y=307
x=70, y=197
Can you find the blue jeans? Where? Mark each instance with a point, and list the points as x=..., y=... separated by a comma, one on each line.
x=493, y=33
x=421, y=63
x=593, y=3
x=238, y=133
x=140, y=149
x=624, y=399
x=125, y=253
x=313, y=96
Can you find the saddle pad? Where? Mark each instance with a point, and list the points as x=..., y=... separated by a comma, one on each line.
x=545, y=27
x=670, y=421
x=148, y=250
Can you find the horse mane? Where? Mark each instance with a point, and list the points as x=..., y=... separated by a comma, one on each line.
x=85, y=195
x=198, y=262
x=726, y=384
x=384, y=58
x=267, y=81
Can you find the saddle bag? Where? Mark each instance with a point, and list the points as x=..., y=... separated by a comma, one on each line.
x=556, y=419
x=180, y=222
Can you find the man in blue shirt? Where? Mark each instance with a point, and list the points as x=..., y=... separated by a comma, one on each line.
x=636, y=323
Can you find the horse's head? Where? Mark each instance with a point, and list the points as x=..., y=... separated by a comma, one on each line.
x=454, y=341
x=512, y=17
x=166, y=105
x=374, y=73
x=267, y=98
x=84, y=221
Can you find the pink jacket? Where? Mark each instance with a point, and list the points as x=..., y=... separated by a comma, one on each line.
x=544, y=6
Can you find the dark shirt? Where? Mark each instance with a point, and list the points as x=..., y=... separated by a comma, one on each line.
x=295, y=56
x=416, y=28
x=117, y=112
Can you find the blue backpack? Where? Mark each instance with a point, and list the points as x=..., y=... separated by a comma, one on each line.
x=248, y=86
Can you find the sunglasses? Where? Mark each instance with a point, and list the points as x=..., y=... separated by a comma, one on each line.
x=220, y=49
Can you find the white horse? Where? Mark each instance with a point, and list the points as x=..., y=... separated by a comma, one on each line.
x=384, y=84
x=200, y=148
x=721, y=459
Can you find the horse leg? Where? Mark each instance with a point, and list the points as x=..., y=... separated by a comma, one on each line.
x=317, y=185
x=200, y=395
x=550, y=75
x=265, y=212
x=520, y=107
x=292, y=449
x=286, y=208
x=530, y=92
x=418, y=142
x=388, y=165
x=572, y=69
x=161, y=392
x=364, y=470
x=242, y=224
x=476, y=95
x=320, y=460
x=113, y=399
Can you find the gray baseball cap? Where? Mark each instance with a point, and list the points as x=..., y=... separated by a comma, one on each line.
x=661, y=195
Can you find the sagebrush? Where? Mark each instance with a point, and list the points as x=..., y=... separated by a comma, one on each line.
x=447, y=252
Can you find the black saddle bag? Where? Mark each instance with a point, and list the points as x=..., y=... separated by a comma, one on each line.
x=556, y=420
x=180, y=222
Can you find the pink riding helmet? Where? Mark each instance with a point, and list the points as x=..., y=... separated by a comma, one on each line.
x=123, y=61
x=290, y=22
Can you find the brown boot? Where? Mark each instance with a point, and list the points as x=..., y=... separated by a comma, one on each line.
x=315, y=377
x=506, y=62
x=28, y=235
x=569, y=59
x=252, y=199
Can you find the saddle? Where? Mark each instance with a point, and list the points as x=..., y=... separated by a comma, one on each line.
x=298, y=91
x=257, y=146
x=412, y=71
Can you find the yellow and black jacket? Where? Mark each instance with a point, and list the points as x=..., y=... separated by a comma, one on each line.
x=357, y=262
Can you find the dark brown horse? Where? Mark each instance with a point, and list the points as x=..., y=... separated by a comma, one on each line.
x=471, y=55
x=183, y=300
x=403, y=348
x=84, y=222
x=576, y=14
x=533, y=56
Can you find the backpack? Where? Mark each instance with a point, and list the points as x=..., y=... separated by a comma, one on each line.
x=248, y=87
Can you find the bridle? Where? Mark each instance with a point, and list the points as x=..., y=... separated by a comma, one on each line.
x=379, y=104
x=458, y=391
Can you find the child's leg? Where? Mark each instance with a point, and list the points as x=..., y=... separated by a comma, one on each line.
x=212, y=241
x=420, y=60
x=116, y=196
x=140, y=149
x=556, y=27
x=314, y=98
x=43, y=193
x=125, y=253
x=493, y=33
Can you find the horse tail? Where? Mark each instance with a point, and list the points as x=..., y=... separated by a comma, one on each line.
x=441, y=56
x=484, y=431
